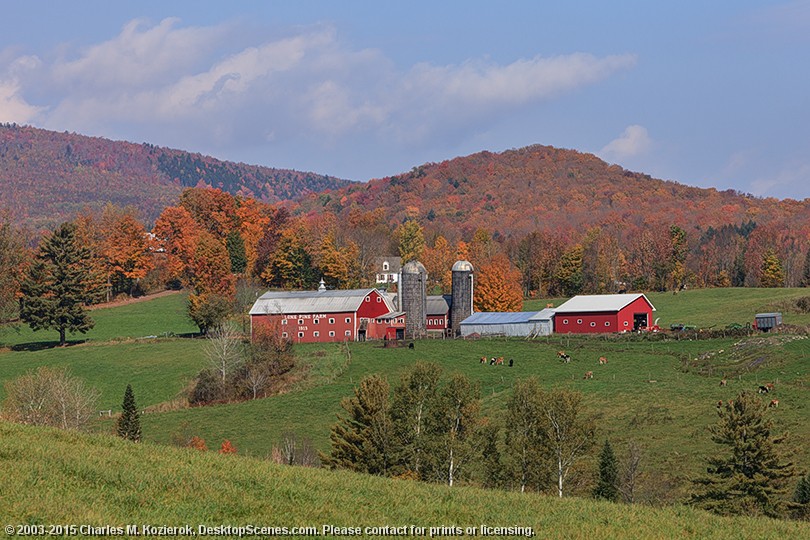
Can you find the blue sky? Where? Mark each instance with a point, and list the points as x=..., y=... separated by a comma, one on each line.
x=713, y=94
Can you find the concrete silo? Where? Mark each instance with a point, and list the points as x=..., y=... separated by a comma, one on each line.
x=462, y=289
x=413, y=299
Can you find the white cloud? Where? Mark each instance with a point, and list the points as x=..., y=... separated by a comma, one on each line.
x=793, y=181
x=207, y=87
x=633, y=141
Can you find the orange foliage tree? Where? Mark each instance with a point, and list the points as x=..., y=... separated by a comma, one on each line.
x=176, y=233
x=126, y=247
x=498, y=286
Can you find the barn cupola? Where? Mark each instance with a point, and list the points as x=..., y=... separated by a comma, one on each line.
x=321, y=286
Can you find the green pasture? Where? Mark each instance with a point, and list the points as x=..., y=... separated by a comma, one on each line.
x=111, y=482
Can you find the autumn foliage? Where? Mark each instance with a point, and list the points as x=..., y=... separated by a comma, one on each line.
x=498, y=286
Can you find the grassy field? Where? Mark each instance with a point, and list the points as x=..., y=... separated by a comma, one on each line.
x=661, y=394
x=110, y=482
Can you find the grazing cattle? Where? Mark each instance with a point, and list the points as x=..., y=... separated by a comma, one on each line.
x=602, y=360
x=410, y=345
x=511, y=362
x=774, y=403
x=723, y=382
x=719, y=403
x=564, y=357
x=588, y=375
x=492, y=361
x=765, y=388
x=483, y=360
x=499, y=361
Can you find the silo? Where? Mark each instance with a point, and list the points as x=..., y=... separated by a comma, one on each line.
x=413, y=294
x=462, y=303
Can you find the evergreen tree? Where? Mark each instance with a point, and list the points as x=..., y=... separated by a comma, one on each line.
x=607, y=488
x=801, y=498
x=362, y=440
x=129, y=423
x=236, y=251
x=54, y=291
x=751, y=479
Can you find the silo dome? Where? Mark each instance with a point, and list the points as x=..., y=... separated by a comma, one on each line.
x=463, y=266
x=413, y=267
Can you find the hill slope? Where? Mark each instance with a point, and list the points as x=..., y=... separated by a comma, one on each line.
x=541, y=187
x=47, y=176
x=110, y=482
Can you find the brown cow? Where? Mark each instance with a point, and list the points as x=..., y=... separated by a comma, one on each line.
x=723, y=382
x=774, y=403
x=483, y=359
x=499, y=361
x=719, y=403
x=564, y=357
x=588, y=375
x=602, y=360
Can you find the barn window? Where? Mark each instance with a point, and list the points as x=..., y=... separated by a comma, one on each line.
x=283, y=321
x=331, y=333
x=348, y=320
x=300, y=321
x=579, y=321
x=316, y=333
x=300, y=335
x=565, y=321
x=316, y=321
x=284, y=334
x=607, y=323
x=348, y=332
x=331, y=320
x=626, y=323
x=379, y=299
x=593, y=324
x=368, y=299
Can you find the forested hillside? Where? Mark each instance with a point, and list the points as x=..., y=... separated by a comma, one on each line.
x=46, y=177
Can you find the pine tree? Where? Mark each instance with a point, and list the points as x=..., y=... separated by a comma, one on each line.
x=751, y=479
x=236, y=251
x=801, y=498
x=362, y=440
x=54, y=292
x=129, y=423
x=607, y=488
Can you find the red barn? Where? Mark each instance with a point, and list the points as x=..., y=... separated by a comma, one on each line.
x=603, y=313
x=324, y=316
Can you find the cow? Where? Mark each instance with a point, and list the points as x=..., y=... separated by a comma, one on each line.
x=588, y=375
x=564, y=357
x=774, y=403
x=410, y=345
x=511, y=362
x=483, y=360
x=765, y=388
x=602, y=360
x=723, y=382
x=719, y=403
x=499, y=361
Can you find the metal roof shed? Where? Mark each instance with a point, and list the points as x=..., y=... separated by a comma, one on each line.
x=518, y=324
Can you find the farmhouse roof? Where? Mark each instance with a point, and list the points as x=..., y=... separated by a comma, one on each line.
x=338, y=301
x=600, y=302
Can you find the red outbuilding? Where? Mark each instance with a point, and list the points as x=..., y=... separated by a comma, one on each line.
x=602, y=313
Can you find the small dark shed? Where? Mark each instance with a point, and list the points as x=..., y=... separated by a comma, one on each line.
x=767, y=321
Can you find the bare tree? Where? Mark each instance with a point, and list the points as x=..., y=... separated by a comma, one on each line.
x=50, y=397
x=630, y=471
x=256, y=378
x=224, y=350
x=566, y=433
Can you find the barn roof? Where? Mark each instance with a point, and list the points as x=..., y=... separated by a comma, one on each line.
x=312, y=301
x=516, y=317
x=438, y=305
x=600, y=302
